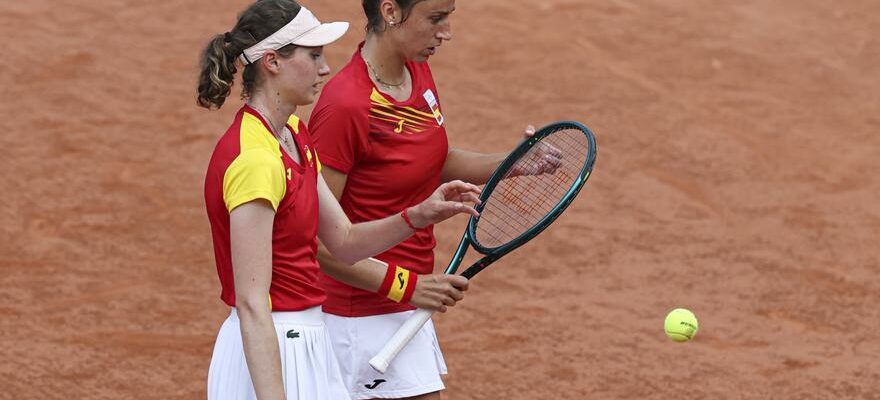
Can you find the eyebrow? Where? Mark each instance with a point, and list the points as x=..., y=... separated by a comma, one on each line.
x=443, y=12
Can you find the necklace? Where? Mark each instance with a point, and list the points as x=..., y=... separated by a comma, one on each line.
x=284, y=135
x=379, y=80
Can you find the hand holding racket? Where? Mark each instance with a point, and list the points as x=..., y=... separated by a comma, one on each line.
x=525, y=194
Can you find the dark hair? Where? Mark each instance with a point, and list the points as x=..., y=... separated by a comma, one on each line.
x=218, y=68
x=375, y=23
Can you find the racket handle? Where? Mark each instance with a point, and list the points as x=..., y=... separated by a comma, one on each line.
x=400, y=339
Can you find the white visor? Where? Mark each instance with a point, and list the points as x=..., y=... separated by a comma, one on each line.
x=303, y=30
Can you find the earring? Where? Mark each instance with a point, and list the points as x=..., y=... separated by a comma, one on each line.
x=391, y=22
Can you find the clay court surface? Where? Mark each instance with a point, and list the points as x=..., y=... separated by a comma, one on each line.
x=737, y=177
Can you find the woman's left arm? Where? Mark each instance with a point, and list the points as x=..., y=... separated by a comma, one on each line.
x=470, y=166
x=350, y=243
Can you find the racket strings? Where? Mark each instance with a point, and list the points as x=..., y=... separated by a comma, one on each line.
x=532, y=187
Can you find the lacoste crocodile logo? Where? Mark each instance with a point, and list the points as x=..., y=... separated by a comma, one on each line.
x=292, y=334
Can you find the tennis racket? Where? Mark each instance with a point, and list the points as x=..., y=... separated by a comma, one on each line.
x=525, y=194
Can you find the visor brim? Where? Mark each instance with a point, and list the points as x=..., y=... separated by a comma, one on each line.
x=323, y=35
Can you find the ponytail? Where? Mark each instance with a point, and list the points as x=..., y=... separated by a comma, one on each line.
x=217, y=73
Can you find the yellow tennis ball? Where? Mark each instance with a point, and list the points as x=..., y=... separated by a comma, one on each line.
x=681, y=325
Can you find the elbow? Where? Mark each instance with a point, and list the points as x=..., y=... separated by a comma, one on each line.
x=250, y=308
x=337, y=253
x=348, y=260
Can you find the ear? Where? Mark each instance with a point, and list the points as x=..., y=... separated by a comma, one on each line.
x=270, y=61
x=388, y=9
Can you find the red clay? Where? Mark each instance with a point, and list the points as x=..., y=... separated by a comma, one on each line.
x=736, y=177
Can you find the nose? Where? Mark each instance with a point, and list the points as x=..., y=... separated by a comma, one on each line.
x=324, y=69
x=445, y=33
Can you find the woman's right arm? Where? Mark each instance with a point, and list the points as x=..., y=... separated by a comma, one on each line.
x=250, y=230
x=433, y=292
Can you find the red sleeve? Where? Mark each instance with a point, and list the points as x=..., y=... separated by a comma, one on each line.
x=340, y=133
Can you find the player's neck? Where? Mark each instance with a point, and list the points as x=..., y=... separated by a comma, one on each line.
x=273, y=110
x=381, y=54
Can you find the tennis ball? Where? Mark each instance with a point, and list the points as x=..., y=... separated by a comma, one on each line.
x=681, y=325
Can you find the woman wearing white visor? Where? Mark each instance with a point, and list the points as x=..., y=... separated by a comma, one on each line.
x=267, y=203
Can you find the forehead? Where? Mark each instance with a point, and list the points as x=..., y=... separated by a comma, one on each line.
x=432, y=6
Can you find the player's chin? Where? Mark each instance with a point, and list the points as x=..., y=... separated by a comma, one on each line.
x=424, y=55
x=307, y=98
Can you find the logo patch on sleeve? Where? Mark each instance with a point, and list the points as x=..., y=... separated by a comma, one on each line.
x=435, y=106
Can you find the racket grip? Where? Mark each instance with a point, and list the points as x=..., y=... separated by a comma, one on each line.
x=400, y=339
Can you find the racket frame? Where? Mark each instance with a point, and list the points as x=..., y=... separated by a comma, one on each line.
x=493, y=254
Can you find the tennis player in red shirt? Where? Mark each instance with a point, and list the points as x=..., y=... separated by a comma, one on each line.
x=380, y=129
x=267, y=203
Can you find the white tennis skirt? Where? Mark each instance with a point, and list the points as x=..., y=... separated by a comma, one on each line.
x=416, y=370
x=308, y=366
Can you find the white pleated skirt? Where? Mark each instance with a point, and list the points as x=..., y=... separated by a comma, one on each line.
x=308, y=365
x=417, y=369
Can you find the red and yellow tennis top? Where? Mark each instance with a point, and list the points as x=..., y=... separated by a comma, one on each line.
x=248, y=164
x=393, y=153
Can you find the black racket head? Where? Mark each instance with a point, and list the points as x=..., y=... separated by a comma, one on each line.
x=533, y=186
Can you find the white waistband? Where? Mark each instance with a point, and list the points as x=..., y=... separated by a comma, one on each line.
x=309, y=316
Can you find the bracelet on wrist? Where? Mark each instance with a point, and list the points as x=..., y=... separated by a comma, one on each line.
x=407, y=220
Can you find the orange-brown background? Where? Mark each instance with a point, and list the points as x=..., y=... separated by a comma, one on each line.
x=736, y=177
